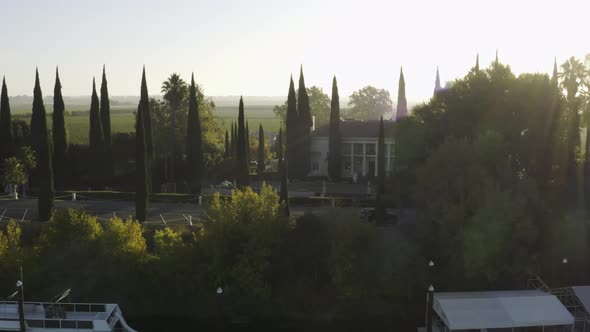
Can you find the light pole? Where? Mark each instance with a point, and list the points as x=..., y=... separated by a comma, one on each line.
x=565, y=274
x=430, y=297
x=219, y=292
x=21, y=306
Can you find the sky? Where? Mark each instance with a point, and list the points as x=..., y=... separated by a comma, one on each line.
x=251, y=47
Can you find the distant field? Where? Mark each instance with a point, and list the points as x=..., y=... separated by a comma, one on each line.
x=123, y=120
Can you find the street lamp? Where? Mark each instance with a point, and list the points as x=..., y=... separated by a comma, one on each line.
x=565, y=274
x=430, y=305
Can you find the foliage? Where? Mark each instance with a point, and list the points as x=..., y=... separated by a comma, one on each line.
x=42, y=146
x=335, y=146
x=105, y=118
x=13, y=172
x=59, y=133
x=369, y=103
x=142, y=172
x=242, y=163
x=6, y=139
x=194, y=142
x=261, y=150
x=123, y=238
x=319, y=103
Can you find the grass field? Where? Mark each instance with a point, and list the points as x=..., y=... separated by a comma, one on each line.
x=123, y=119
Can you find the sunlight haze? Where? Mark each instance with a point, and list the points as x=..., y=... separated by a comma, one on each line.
x=251, y=47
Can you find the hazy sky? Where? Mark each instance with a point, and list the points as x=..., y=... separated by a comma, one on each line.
x=251, y=47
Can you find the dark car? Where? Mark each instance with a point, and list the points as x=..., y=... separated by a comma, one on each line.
x=369, y=215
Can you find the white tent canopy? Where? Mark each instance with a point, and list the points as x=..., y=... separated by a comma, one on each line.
x=505, y=309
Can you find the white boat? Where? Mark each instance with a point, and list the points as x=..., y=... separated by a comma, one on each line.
x=52, y=316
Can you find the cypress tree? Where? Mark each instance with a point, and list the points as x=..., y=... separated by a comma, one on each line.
x=105, y=118
x=194, y=145
x=147, y=126
x=234, y=142
x=437, y=86
x=291, y=126
x=60, y=136
x=6, y=138
x=242, y=164
x=477, y=63
x=305, y=123
x=334, y=154
x=226, y=153
x=260, y=150
x=402, y=104
x=248, y=144
x=141, y=162
x=380, y=212
x=147, y=118
x=96, y=140
x=284, y=192
x=43, y=148
x=280, y=153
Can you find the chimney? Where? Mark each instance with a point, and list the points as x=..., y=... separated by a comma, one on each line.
x=313, y=123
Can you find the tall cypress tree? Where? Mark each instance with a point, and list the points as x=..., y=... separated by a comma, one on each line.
x=141, y=172
x=477, y=63
x=380, y=212
x=147, y=126
x=242, y=172
x=43, y=148
x=194, y=144
x=60, y=136
x=284, y=192
x=280, y=152
x=226, y=153
x=105, y=118
x=305, y=123
x=402, y=104
x=261, y=157
x=6, y=139
x=247, y=143
x=437, y=86
x=96, y=141
x=234, y=141
x=334, y=154
x=291, y=122
x=147, y=118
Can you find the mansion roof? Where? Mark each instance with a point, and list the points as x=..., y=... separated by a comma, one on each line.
x=355, y=129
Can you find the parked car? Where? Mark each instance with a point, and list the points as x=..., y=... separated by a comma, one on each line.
x=370, y=215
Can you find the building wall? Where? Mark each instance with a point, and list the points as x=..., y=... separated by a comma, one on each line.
x=359, y=155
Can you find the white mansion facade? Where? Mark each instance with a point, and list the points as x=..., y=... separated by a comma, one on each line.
x=359, y=148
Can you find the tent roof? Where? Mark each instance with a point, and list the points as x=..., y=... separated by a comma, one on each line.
x=583, y=294
x=505, y=309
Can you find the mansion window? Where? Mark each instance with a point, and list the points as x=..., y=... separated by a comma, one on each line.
x=315, y=166
x=370, y=149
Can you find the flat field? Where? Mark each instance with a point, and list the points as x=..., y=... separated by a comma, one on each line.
x=123, y=119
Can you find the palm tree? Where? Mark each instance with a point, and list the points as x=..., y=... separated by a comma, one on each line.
x=572, y=79
x=175, y=92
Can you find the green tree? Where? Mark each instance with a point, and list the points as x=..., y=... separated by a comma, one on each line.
x=261, y=157
x=242, y=173
x=16, y=169
x=402, y=103
x=234, y=141
x=284, y=197
x=227, y=150
x=304, y=123
x=147, y=118
x=194, y=143
x=247, y=133
x=280, y=151
x=175, y=92
x=380, y=211
x=59, y=133
x=6, y=139
x=292, y=125
x=369, y=103
x=105, y=119
x=335, y=153
x=42, y=146
x=319, y=103
x=123, y=239
x=142, y=164
x=96, y=141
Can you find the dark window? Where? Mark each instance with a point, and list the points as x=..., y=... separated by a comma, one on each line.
x=82, y=307
x=97, y=308
x=370, y=149
x=35, y=323
x=315, y=166
x=358, y=149
x=347, y=164
x=52, y=324
x=346, y=148
x=68, y=324
x=84, y=324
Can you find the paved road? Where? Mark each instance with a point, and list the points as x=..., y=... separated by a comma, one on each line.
x=173, y=213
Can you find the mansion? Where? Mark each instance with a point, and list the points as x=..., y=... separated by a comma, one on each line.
x=359, y=148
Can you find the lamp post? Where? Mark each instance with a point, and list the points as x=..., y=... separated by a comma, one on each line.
x=21, y=306
x=429, y=296
x=219, y=292
x=565, y=274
